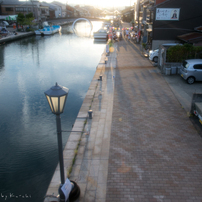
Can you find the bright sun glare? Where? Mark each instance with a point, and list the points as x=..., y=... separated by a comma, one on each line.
x=100, y=3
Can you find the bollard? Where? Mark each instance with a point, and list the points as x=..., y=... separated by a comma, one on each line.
x=107, y=49
x=101, y=77
x=90, y=113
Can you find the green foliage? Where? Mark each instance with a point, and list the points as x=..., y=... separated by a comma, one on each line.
x=29, y=15
x=179, y=53
x=144, y=45
x=110, y=43
x=25, y=20
x=20, y=18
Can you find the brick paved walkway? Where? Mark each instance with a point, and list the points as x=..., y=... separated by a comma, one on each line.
x=155, y=152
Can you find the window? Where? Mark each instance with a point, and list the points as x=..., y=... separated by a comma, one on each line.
x=185, y=64
x=19, y=9
x=23, y=9
x=9, y=8
x=198, y=66
x=43, y=11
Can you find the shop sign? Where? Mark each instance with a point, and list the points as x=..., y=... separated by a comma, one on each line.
x=167, y=13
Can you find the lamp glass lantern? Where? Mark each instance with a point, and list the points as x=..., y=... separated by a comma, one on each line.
x=56, y=97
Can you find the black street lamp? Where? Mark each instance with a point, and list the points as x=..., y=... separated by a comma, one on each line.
x=56, y=97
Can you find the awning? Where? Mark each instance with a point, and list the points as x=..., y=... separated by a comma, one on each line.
x=193, y=37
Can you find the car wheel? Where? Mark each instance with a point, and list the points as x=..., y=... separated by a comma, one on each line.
x=155, y=59
x=190, y=80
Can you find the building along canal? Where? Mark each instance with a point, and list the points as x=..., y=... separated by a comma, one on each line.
x=28, y=67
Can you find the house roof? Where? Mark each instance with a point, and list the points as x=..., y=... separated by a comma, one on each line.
x=58, y=3
x=51, y=6
x=198, y=28
x=16, y=2
x=193, y=37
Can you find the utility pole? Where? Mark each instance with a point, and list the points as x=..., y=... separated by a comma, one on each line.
x=33, y=8
x=0, y=7
x=138, y=12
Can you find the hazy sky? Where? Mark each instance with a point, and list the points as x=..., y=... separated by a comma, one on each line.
x=102, y=3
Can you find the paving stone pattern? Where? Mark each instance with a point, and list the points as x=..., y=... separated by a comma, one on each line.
x=91, y=166
x=155, y=152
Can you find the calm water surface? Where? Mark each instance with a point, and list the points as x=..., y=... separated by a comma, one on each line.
x=28, y=144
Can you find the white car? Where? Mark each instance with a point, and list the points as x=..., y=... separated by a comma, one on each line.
x=191, y=70
x=153, y=55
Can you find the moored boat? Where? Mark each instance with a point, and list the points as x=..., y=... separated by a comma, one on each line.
x=48, y=30
x=100, y=34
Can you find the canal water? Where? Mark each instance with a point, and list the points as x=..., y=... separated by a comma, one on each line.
x=28, y=140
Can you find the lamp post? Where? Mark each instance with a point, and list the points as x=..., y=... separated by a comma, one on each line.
x=56, y=97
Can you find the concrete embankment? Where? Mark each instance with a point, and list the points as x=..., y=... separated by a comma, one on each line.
x=19, y=35
x=22, y=35
x=77, y=140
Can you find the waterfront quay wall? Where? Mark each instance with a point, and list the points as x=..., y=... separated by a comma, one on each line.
x=76, y=139
x=22, y=35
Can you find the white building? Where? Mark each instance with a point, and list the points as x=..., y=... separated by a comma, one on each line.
x=63, y=7
x=58, y=10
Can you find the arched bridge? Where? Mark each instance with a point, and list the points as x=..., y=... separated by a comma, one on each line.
x=81, y=19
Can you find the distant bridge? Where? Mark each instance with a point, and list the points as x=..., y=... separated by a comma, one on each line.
x=81, y=19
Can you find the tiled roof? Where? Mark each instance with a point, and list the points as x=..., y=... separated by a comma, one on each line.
x=16, y=2
x=193, y=37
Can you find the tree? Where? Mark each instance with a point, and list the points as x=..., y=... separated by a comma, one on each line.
x=28, y=19
x=20, y=18
x=25, y=20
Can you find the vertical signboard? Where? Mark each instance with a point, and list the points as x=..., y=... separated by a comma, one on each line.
x=167, y=14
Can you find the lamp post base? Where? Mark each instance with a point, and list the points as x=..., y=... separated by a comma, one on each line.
x=73, y=195
x=75, y=192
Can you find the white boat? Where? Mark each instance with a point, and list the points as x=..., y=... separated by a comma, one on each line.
x=48, y=30
x=100, y=34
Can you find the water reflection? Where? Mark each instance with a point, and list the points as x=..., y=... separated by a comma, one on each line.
x=99, y=41
x=28, y=146
x=1, y=58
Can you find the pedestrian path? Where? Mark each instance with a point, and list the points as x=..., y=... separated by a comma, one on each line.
x=90, y=170
x=155, y=152
x=140, y=145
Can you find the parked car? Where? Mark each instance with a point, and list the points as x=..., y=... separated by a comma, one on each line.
x=191, y=70
x=153, y=55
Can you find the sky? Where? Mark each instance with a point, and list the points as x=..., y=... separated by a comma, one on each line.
x=100, y=3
